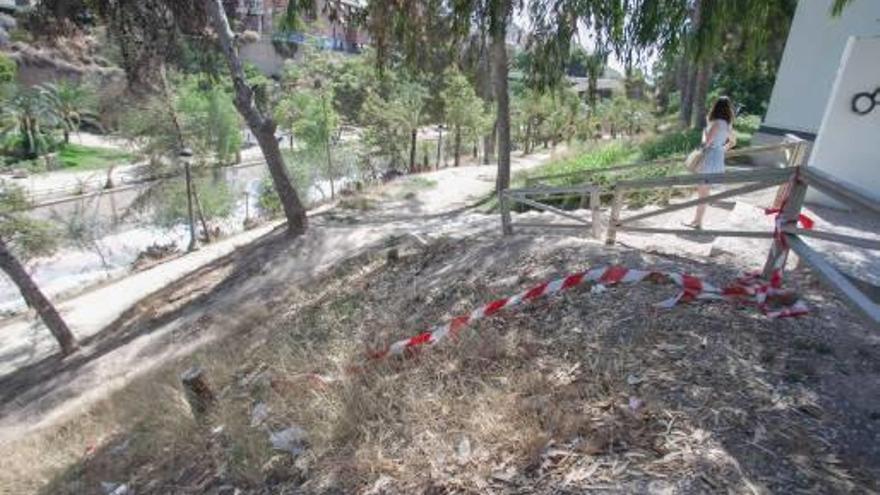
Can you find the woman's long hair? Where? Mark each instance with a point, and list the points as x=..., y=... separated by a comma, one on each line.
x=723, y=110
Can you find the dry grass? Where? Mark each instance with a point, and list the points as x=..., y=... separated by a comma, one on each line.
x=581, y=392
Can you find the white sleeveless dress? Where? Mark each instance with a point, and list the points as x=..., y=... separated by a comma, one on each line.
x=713, y=159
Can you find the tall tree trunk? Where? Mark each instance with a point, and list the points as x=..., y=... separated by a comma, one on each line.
x=701, y=90
x=687, y=93
x=489, y=146
x=412, y=150
x=499, y=66
x=35, y=299
x=457, y=146
x=487, y=94
x=527, y=148
x=691, y=68
x=262, y=126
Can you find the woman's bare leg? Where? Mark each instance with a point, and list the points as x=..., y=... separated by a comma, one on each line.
x=702, y=192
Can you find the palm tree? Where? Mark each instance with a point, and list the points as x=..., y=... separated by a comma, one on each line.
x=70, y=103
x=24, y=115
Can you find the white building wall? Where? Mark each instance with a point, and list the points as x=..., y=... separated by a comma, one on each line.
x=810, y=61
x=848, y=144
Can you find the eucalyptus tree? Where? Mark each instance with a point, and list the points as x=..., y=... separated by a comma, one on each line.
x=464, y=112
x=150, y=33
x=22, y=236
x=401, y=27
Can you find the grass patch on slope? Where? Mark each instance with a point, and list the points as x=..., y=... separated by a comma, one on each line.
x=75, y=157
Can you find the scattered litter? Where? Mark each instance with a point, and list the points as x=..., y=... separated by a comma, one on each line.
x=634, y=379
x=635, y=404
x=112, y=488
x=598, y=289
x=292, y=439
x=464, y=449
x=260, y=414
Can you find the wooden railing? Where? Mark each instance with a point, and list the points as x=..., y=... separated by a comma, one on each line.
x=798, y=179
x=793, y=182
x=790, y=147
x=589, y=194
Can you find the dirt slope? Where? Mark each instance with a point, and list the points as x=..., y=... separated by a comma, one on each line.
x=591, y=391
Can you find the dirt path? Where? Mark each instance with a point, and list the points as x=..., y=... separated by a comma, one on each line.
x=123, y=338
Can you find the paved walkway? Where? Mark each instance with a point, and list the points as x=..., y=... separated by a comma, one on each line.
x=24, y=342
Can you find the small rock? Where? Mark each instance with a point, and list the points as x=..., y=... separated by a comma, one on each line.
x=598, y=289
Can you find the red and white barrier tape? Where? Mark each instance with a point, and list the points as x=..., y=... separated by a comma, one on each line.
x=750, y=289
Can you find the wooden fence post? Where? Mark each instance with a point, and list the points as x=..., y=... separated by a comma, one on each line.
x=790, y=212
x=615, y=217
x=198, y=393
x=506, y=227
x=797, y=157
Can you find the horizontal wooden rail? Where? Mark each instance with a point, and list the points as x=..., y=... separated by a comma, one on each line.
x=851, y=294
x=679, y=159
x=548, y=208
x=700, y=232
x=715, y=197
x=841, y=238
x=578, y=226
x=582, y=189
x=693, y=180
x=846, y=192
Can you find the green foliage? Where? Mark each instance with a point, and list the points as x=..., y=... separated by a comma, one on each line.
x=79, y=157
x=215, y=197
x=8, y=69
x=302, y=175
x=209, y=122
x=69, y=103
x=670, y=144
x=27, y=237
x=392, y=116
x=463, y=109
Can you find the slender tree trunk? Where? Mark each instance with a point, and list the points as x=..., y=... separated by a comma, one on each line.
x=330, y=168
x=201, y=212
x=189, y=206
x=439, y=147
x=35, y=299
x=701, y=90
x=262, y=126
x=66, y=136
x=457, y=146
x=527, y=148
x=499, y=56
x=412, y=151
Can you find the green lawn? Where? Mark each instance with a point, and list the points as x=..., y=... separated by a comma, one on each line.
x=75, y=157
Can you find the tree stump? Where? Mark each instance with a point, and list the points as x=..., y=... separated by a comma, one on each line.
x=198, y=393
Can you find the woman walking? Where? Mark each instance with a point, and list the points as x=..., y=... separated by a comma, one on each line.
x=717, y=138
